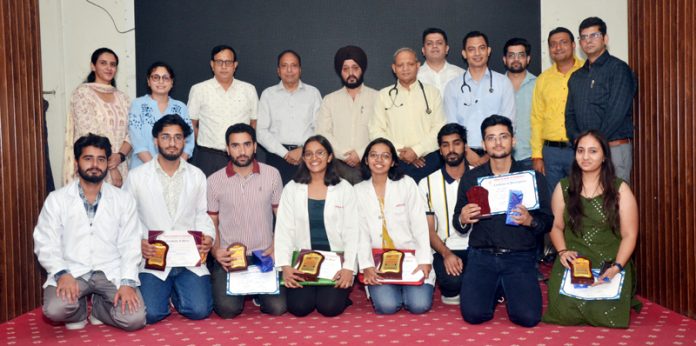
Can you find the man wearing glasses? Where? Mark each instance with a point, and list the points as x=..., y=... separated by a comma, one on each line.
x=516, y=57
x=600, y=96
x=217, y=103
x=552, y=153
x=171, y=196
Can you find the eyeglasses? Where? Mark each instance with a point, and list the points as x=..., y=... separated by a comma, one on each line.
x=501, y=137
x=223, y=63
x=319, y=154
x=561, y=43
x=513, y=55
x=177, y=138
x=156, y=78
x=590, y=37
x=383, y=156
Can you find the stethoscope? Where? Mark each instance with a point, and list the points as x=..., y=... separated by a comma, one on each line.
x=465, y=84
x=394, y=93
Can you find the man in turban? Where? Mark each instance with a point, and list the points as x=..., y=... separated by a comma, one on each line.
x=345, y=113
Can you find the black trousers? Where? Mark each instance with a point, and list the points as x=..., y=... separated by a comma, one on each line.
x=328, y=300
x=450, y=285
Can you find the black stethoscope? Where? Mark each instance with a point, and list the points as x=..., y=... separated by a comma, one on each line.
x=465, y=84
x=394, y=93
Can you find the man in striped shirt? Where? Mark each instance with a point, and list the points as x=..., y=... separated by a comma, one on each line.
x=242, y=198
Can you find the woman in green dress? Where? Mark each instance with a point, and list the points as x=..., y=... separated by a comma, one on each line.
x=595, y=216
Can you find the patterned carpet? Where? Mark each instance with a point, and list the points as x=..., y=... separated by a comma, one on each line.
x=359, y=325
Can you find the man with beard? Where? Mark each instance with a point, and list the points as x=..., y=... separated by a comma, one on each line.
x=345, y=113
x=88, y=240
x=440, y=190
x=516, y=57
x=436, y=70
x=501, y=256
x=171, y=196
x=479, y=93
x=242, y=199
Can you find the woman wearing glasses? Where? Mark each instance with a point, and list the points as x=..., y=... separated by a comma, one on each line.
x=392, y=216
x=317, y=211
x=96, y=106
x=146, y=110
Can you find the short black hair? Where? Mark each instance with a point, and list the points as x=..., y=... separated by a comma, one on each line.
x=395, y=171
x=450, y=129
x=493, y=120
x=429, y=31
x=594, y=21
x=559, y=30
x=220, y=48
x=472, y=34
x=240, y=128
x=290, y=51
x=517, y=41
x=168, y=120
x=152, y=68
x=331, y=177
x=91, y=140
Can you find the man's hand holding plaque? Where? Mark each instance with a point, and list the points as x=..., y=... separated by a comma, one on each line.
x=171, y=249
x=309, y=265
x=478, y=206
x=158, y=256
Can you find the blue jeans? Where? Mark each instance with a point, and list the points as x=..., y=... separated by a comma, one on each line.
x=189, y=292
x=388, y=299
x=557, y=162
x=515, y=273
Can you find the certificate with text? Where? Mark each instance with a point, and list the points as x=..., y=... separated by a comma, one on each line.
x=182, y=248
x=499, y=188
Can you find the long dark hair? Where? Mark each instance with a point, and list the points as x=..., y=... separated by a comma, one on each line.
x=91, y=77
x=395, y=172
x=331, y=177
x=606, y=181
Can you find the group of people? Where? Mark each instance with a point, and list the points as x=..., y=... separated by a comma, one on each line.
x=357, y=172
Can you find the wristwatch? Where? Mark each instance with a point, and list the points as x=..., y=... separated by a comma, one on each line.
x=123, y=156
x=617, y=264
x=57, y=275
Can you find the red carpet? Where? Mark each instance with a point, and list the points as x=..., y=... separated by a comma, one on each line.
x=359, y=325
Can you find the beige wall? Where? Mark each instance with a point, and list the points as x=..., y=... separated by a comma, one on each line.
x=71, y=30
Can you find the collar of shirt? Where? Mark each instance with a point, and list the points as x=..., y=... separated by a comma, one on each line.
x=281, y=87
x=470, y=79
x=599, y=62
x=255, y=169
x=528, y=78
x=90, y=208
x=160, y=170
x=410, y=87
x=219, y=87
x=577, y=64
x=448, y=178
x=514, y=167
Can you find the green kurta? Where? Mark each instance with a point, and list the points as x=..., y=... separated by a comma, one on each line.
x=598, y=243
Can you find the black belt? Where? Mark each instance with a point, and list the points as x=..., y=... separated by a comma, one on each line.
x=291, y=146
x=557, y=144
x=211, y=150
x=478, y=151
x=496, y=250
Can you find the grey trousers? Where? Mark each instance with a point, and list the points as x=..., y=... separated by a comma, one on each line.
x=102, y=291
x=622, y=158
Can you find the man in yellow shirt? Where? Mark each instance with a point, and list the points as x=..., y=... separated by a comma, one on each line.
x=552, y=153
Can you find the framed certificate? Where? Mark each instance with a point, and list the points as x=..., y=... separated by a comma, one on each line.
x=499, y=188
x=181, y=251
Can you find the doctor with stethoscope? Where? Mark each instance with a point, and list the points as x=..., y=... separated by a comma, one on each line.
x=477, y=94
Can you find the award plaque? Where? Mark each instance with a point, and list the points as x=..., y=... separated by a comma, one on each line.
x=479, y=195
x=159, y=260
x=309, y=263
x=198, y=237
x=238, y=256
x=391, y=264
x=581, y=271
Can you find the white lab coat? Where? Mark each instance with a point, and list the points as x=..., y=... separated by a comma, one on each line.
x=404, y=209
x=144, y=185
x=340, y=221
x=64, y=239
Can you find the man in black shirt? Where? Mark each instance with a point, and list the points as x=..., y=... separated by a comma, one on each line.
x=600, y=96
x=501, y=256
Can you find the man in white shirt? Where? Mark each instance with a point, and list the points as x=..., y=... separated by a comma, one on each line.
x=409, y=114
x=437, y=71
x=87, y=238
x=287, y=113
x=217, y=103
x=479, y=93
x=171, y=196
x=345, y=113
x=440, y=190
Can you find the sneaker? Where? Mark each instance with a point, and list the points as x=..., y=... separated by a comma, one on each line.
x=94, y=321
x=450, y=300
x=76, y=325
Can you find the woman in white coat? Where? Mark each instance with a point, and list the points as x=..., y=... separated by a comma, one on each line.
x=392, y=216
x=317, y=211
